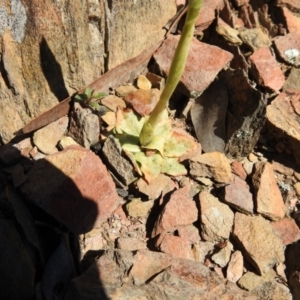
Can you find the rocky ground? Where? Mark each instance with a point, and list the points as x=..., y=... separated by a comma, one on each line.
x=79, y=222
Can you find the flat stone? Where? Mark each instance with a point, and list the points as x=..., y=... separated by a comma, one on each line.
x=160, y=184
x=262, y=247
x=143, y=101
x=174, y=245
x=288, y=230
x=250, y=281
x=292, y=20
x=283, y=117
x=273, y=290
x=203, y=64
x=216, y=218
x=113, y=102
x=189, y=233
x=222, y=257
x=293, y=80
x=237, y=195
x=266, y=70
x=67, y=141
x=137, y=208
x=288, y=47
x=143, y=82
x=214, y=165
x=207, y=14
x=235, y=267
x=123, y=90
x=84, y=126
x=120, y=166
x=130, y=243
x=179, y=210
x=255, y=38
x=47, y=137
x=238, y=169
x=291, y=4
x=269, y=201
x=208, y=115
x=74, y=187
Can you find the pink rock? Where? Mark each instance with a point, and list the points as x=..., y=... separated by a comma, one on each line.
x=235, y=267
x=175, y=246
x=180, y=210
x=147, y=264
x=292, y=21
x=269, y=201
x=238, y=169
x=213, y=165
x=130, y=243
x=288, y=230
x=291, y=4
x=207, y=14
x=288, y=47
x=203, y=64
x=216, y=218
x=143, y=101
x=189, y=233
x=47, y=137
x=266, y=69
x=262, y=247
x=238, y=195
x=74, y=187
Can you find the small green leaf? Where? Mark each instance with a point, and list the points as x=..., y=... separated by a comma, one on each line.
x=95, y=105
x=100, y=95
x=172, y=167
x=88, y=92
x=81, y=97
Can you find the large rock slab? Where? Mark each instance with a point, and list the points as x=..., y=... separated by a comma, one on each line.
x=155, y=276
x=269, y=201
x=283, y=117
x=204, y=62
x=260, y=243
x=74, y=187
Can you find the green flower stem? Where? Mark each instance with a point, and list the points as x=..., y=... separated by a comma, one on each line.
x=175, y=73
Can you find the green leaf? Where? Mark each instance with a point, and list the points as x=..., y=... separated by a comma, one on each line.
x=95, y=105
x=149, y=165
x=81, y=97
x=128, y=122
x=88, y=92
x=100, y=95
x=172, y=167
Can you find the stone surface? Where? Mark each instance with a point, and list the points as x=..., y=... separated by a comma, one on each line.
x=203, y=64
x=288, y=47
x=179, y=210
x=214, y=165
x=84, y=126
x=47, y=137
x=208, y=115
x=67, y=141
x=250, y=281
x=260, y=243
x=143, y=82
x=160, y=184
x=143, y=101
x=235, y=267
x=216, y=218
x=237, y=195
x=238, y=169
x=273, y=290
x=293, y=80
x=207, y=14
x=74, y=187
x=155, y=276
x=282, y=115
x=189, y=233
x=292, y=20
x=269, y=201
x=288, y=230
x=174, y=245
x=137, y=208
x=291, y=4
x=130, y=244
x=120, y=166
x=266, y=70
x=113, y=102
x=222, y=257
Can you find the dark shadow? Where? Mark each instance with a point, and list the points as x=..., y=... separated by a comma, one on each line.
x=39, y=230
x=52, y=71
